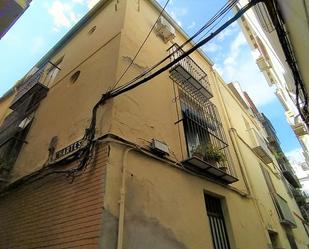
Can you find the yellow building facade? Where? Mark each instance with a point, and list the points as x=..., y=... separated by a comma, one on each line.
x=142, y=184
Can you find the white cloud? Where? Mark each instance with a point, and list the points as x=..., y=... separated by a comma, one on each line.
x=240, y=66
x=37, y=44
x=227, y=32
x=295, y=156
x=79, y=1
x=211, y=47
x=192, y=25
x=90, y=3
x=177, y=14
x=235, y=49
x=63, y=15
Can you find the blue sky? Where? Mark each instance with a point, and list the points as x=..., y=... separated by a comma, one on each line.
x=45, y=22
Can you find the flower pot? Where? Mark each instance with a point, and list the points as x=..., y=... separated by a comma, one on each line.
x=198, y=155
x=211, y=162
x=223, y=168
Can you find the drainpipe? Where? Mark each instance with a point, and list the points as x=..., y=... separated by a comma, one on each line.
x=232, y=132
x=234, y=136
x=122, y=199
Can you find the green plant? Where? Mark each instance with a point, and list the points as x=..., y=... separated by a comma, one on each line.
x=208, y=152
x=279, y=155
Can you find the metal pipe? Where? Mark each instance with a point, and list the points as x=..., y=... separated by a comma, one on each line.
x=233, y=138
x=122, y=200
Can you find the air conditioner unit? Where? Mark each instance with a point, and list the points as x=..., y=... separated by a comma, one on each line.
x=165, y=30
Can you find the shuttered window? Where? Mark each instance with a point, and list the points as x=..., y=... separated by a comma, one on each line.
x=217, y=224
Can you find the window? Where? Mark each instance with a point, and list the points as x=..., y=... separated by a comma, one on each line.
x=268, y=180
x=217, y=224
x=74, y=77
x=91, y=31
x=13, y=132
x=201, y=124
x=288, y=187
x=274, y=239
x=291, y=238
x=281, y=205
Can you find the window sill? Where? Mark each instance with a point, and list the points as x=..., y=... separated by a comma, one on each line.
x=204, y=168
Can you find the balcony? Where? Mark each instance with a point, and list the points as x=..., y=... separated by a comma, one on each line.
x=12, y=135
x=31, y=91
x=202, y=127
x=189, y=76
x=270, y=130
x=299, y=127
x=259, y=146
x=285, y=214
x=262, y=64
x=290, y=176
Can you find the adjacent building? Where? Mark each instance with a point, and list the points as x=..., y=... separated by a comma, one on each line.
x=10, y=11
x=278, y=46
x=182, y=161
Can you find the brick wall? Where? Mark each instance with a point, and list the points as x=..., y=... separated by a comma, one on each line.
x=54, y=213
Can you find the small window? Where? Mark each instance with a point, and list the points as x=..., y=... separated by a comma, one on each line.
x=91, y=31
x=75, y=77
x=217, y=223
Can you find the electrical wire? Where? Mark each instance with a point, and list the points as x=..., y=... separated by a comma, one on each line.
x=86, y=153
x=119, y=91
x=140, y=48
x=227, y=7
x=216, y=24
x=290, y=59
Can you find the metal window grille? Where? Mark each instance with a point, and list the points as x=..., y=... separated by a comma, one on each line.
x=203, y=126
x=31, y=90
x=189, y=75
x=217, y=224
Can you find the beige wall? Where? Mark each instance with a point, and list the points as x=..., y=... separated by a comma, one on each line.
x=165, y=205
x=66, y=110
x=236, y=115
x=5, y=107
x=161, y=200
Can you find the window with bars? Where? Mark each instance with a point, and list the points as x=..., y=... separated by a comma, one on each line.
x=283, y=210
x=217, y=223
x=202, y=126
x=13, y=132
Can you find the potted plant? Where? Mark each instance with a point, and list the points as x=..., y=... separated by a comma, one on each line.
x=279, y=155
x=214, y=155
x=199, y=151
x=209, y=153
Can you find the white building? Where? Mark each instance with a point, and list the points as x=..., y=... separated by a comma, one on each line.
x=272, y=59
x=301, y=169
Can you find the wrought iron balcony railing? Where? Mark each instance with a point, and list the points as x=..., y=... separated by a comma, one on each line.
x=12, y=134
x=289, y=174
x=190, y=76
x=285, y=214
x=32, y=89
x=259, y=146
x=203, y=129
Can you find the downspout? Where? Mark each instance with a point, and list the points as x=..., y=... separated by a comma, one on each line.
x=233, y=138
x=122, y=199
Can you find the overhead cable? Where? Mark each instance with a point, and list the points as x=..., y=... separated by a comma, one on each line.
x=140, y=48
x=227, y=7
